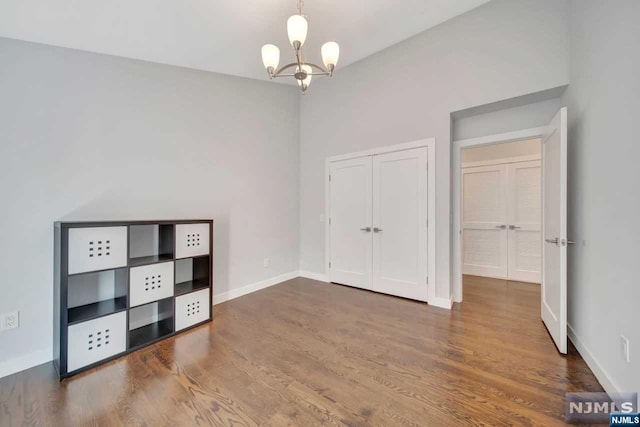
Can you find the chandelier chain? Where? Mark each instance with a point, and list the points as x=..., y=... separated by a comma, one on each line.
x=300, y=4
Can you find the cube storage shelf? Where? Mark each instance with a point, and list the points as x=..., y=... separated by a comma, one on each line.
x=122, y=285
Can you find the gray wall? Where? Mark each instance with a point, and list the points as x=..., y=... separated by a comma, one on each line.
x=88, y=136
x=526, y=116
x=501, y=50
x=604, y=201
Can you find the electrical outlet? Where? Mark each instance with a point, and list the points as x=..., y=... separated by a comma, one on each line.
x=10, y=321
x=624, y=347
x=265, y=262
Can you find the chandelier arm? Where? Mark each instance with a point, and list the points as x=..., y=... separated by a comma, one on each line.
x=317, y=67
x=322, y=71
x=285, y=67
x=298, y=49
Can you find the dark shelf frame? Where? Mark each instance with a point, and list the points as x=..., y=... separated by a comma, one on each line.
x=189, y=286
x=65, y=316
x=151, y=259
x=96, y=309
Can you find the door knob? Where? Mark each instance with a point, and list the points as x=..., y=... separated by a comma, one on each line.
x=514, y=227
x=501, y=227
x=554, y=241
x=377, y=230
x=571, y=242
x=367, y=229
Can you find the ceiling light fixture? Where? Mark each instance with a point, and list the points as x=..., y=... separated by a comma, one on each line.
x=302, y=71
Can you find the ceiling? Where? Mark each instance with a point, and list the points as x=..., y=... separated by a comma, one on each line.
x=223, y=36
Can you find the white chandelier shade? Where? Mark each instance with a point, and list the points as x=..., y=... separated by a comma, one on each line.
x=297, y=28
x=270, y=56
x=330, y=54
x=301, y=70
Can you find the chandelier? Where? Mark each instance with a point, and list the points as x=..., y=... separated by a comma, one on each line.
x=300, y=69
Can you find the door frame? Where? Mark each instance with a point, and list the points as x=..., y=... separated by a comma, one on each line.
x=456, y=225
x=430, y=144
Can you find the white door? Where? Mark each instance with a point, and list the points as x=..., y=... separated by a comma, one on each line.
x=525, y=217
x=484, y=221
x=400, y=223
x=554, y=248
x=350, y=222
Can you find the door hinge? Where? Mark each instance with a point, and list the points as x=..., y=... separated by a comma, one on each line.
x=427, y=280
x=329, y=220
x=427, y=222
x=329, y=177
x=329, y=264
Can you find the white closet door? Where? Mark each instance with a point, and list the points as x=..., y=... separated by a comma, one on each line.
x=525, y=221
x=350, y=222
x=484, y=226
x=400, y=223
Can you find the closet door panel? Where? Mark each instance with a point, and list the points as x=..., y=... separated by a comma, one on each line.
x=484, y=216
x=400, y=223
x=525, y=221
x=350, y=222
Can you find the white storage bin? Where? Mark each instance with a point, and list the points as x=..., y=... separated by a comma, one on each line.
x=192, y=240
x=95, y=340
x=97, y=248
x=192, y=308
x=150, y=283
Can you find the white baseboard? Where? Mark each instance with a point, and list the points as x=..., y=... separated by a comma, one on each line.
x=315, y=276
x=27, y=361
x=438, y=302
x=442, y=302
x=593, y=364
x=253, y=287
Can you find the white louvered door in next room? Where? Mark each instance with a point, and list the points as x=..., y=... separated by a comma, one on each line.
x=501, y=211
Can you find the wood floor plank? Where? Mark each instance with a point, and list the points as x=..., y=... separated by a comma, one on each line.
x=306, y=353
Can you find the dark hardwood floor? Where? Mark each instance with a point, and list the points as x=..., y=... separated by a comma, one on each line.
x=305, y=353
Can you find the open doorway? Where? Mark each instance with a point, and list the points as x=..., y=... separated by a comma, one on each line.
x=501, y=222
x=541, y=211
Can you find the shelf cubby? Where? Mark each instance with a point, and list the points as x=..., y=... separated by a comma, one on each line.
x=150, y=333
x=150, y=243
x=192, y=274
x=150, y=322
x=96, y=309
x=92, y=295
